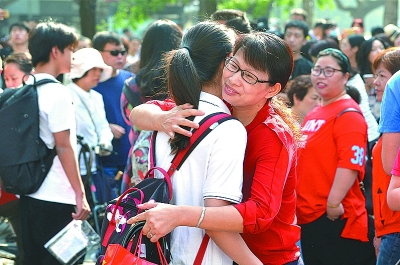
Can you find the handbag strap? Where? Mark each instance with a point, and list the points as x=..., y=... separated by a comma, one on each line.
x=202, y=250
x=350, y=109
x=112, y=223
x=128, y=238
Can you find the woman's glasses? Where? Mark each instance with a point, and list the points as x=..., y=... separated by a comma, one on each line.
x=246, y=75
x=328, y=71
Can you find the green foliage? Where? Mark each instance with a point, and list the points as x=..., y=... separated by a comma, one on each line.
x=325, y=4
x=259, y=8
x=131, y=13
x=253, y=8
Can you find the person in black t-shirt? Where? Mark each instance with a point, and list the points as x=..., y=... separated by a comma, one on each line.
x=296, y=32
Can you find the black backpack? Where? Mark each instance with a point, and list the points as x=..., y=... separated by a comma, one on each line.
x=24, y=158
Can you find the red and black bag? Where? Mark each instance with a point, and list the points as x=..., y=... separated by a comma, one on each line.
x=119, y=210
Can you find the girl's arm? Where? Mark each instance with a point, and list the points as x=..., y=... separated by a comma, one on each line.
x=152, y=117
x=231, y=243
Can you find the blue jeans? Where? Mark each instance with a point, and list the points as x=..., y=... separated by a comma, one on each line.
x=389, y=251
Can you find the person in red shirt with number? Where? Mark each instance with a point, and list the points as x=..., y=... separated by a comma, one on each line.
x=331, y=206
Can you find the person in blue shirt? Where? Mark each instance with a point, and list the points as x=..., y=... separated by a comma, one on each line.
x=111, y=48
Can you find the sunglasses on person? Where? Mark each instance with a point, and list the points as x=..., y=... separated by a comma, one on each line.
x=116, y=52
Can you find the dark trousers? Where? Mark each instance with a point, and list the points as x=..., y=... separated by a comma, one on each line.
x=322, y=244
x=41, y=220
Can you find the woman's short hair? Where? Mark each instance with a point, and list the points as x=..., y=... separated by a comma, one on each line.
x=389, y=59
x=299, y=87
x=268, y=53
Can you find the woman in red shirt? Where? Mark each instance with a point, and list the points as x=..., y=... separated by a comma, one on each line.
x=258, y=70
x=387, y=222
x=331, y=207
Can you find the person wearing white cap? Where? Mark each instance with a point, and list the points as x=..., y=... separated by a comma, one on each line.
x=393, y=32
x=87, y=70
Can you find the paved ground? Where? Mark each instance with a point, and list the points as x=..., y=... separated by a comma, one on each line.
x=8, y=249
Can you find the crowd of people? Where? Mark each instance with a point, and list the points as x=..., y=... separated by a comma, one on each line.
x=287, y=181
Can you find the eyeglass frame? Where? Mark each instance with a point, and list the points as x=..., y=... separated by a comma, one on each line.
x=242, y=72
x=322, y=70
x=115, y=53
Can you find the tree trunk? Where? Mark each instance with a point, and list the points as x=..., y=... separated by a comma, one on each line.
x=390, y=16
x=87, y=14
x=207, y=7
x=308, y=6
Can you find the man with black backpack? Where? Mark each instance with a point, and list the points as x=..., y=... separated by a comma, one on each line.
x=45, y=212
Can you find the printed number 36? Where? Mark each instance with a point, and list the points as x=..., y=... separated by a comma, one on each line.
x=358, y=155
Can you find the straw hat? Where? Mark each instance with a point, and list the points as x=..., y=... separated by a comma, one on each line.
x=392, y=31
x=87, y=58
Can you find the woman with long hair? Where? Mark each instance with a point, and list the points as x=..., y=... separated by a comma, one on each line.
x=146, y=85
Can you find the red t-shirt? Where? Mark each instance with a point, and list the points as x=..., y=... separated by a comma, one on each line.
x=386, y=221
x=269, y=198
x=330, y=142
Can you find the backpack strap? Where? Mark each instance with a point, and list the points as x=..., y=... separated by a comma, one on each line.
x=202, y=250
x=205, y=127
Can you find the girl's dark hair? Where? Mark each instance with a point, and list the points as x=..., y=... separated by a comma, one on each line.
x=203, y=50
x=364, y=65
x=47, y=35
x=389, y=59
x=322, y=45
x=269, y=53
x=23, y=60
x=339, y=56
x=356, y=40
x=299, y=87
x=162, y=36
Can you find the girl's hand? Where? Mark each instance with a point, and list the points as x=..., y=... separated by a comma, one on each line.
x=160, y=219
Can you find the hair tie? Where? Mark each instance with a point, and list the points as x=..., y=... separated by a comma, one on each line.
x=341, y=55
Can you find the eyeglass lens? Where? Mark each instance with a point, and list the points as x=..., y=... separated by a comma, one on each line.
x=116, y=52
